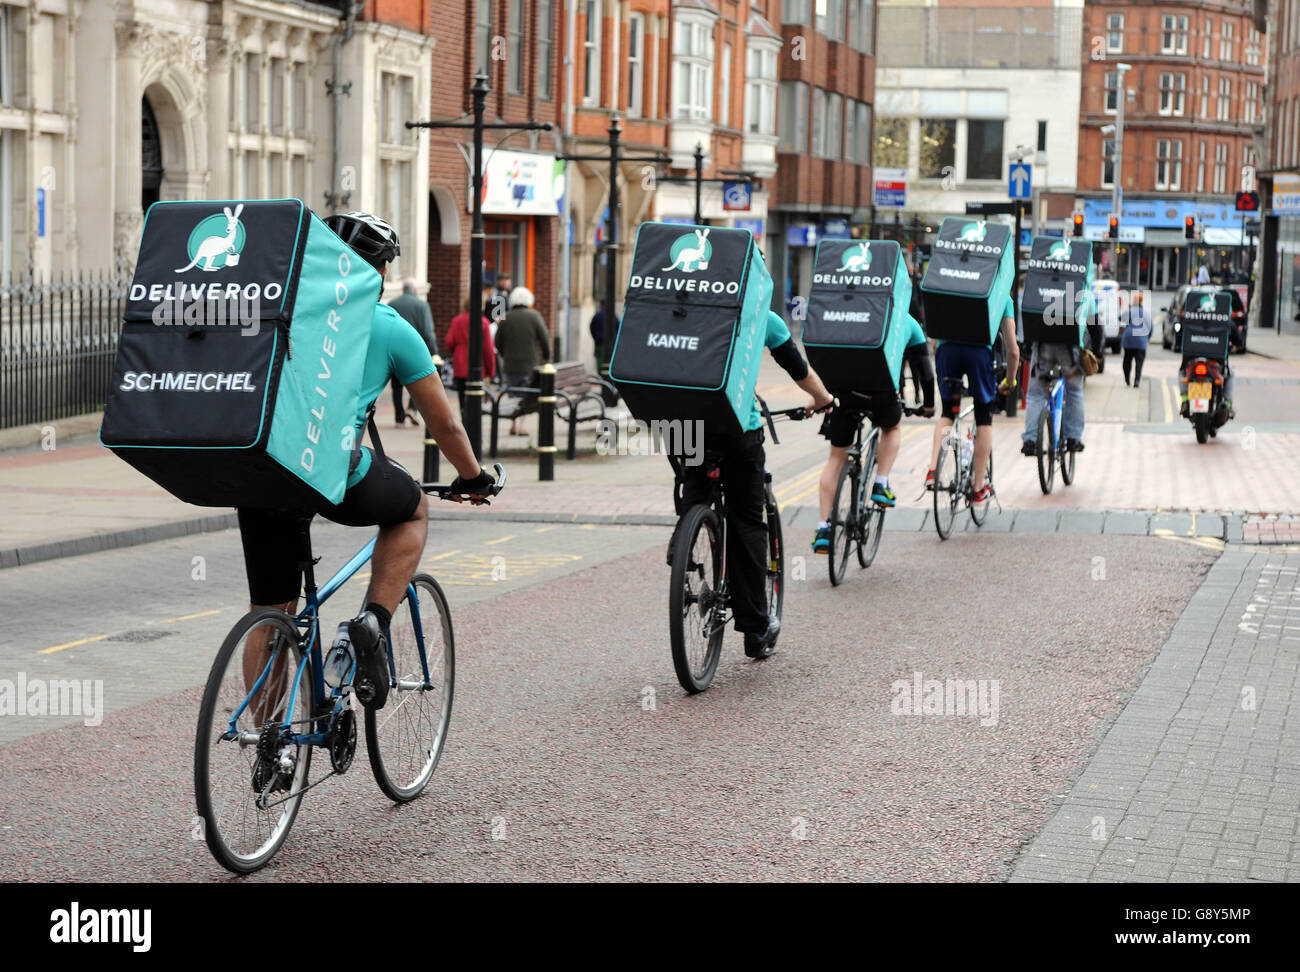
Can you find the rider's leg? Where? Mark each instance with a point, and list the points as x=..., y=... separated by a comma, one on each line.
x=1072, y=418
x=887, y=450
x=941, y=430
x=1035, y=402
x=983, y=442
x=397, y=555
x=742, y=482
x=830, y=479
x=273, y=554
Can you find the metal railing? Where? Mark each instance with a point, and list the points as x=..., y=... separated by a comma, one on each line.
x=975, y=37
x=57, y=341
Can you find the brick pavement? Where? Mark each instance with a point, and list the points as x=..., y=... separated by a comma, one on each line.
x=1198, y=779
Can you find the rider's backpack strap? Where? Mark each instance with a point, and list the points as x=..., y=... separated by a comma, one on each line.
x=374, y=439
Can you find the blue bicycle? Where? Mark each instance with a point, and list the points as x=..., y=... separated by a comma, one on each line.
x=1050, y=447
x=271, y=699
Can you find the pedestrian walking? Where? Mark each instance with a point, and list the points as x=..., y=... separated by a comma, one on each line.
x=415, y=311
x=499, y=301
x=597, y=330
x=523, y=342
x=458, y=348
x=1203, y=275
x=1137, y=333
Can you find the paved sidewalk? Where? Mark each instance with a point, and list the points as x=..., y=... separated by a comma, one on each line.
x=1270, y=344
x=1198, y=779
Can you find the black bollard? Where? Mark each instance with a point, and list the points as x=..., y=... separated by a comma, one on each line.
x=546, y=425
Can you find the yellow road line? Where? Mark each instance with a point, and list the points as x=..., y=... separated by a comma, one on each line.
x=491, y=543
x=443, y=556
x=71, y=644
x=544, y=529
x=799, y=481
x=191, y=617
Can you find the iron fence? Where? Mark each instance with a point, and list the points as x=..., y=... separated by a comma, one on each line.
x=58, y=337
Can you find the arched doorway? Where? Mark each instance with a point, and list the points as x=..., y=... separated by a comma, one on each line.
x=151, y=156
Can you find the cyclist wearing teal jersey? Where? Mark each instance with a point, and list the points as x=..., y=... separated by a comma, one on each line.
x=885, y=411
x=743, y=466
x=379, y=491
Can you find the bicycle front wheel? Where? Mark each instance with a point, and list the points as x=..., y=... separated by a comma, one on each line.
x=248, y=775
x=1046, y=452
x=696, y=612
x=844, y=521
x=775, y=559
x=870, y=517
x=405, y=737
x=946, y=491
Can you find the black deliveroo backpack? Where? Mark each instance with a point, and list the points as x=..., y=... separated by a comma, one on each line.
x=238, y=369
x=691, y=339
x=857, y=309
x=967, y=281
x=1057, y=294
x=1207, y=323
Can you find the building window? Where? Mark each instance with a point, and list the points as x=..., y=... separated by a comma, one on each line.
x=300, y=113
x=850, y=131
x=252, y=94
x=1207, y=37
x=1173, y=35
x=862, y=22
x=275, y=92
x=483, y=35
x=796, y=11
x=1200, y=167
x=1112, y=92
x=891, y=142
x=591, y=55
x=829, y=18
x=636, y=64
x=1115, y=34
x=760, y=91
x=1205, y=96
x=864, y=136
x=1225, y=99
x=1171, y=93
x=938, y=148
x=1250, y=103
x=1042, y=136
x=1221, y=167
x=724, y=102
x=793, y=117
x=1169, y=164
x=515, y=48
x=1108, y=162
x=1225, y=42
x=834, y=126
x=819, y=123
x=984, y=149
x=545, y=31
x=693, y=61
x=1254, y=49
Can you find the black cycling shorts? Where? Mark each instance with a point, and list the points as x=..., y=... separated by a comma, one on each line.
x=273, y=540
x=841, y=425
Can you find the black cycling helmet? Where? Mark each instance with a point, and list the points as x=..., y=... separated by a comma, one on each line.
x=372, y=238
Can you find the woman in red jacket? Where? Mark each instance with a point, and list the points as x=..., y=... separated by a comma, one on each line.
x=458, y=345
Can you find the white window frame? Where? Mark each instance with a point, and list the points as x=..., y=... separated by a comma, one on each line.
x=544, y=72
x=1173, y=34
x=1224, y=104
x=834, y=125
x=693, y=58
x=794, y=123
x=1169, y=164
x=1115, y=33
x=817, y=123
x=1107, y=161
x=635, y=65
x=724, y=99
x=1225, y=41
x=1205, y=96
x=1108, y=90
x=591, y=65
x=1220, y=167
x=1173, y=92
x=1207, y=39
x=761, y=87
x=1200, y=168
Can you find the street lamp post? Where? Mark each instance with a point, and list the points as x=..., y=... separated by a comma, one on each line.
x=473, y=416
x=1117, y=188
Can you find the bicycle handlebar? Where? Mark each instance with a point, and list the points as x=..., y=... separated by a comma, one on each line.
x=443, y=490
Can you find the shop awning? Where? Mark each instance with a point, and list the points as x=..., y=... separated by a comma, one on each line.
x=1221, y=236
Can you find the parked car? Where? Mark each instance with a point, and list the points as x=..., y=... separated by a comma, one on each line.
x=1104, y=333
x=1171, y=322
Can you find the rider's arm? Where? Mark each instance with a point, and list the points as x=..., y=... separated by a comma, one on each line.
x=1009, y=340
x=444, y=425
x=786, y=353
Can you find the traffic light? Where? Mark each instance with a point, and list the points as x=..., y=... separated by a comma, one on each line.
x=1078, y=224
x=1247, y=202
x=1189, y=227
x=1112, y=230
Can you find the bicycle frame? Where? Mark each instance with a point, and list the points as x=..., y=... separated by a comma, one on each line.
x=1056, y=405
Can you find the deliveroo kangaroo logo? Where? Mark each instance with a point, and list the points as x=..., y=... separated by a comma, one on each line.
x=217, y=241
x=974, y=232
x=857, y=259
x=1059, y=251
x=690, y=253
x=1207, y=303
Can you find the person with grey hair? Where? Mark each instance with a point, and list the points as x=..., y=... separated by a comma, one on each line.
x=415, y=311
x=522, y=341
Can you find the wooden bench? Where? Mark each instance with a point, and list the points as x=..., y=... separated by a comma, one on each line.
x=577, y=399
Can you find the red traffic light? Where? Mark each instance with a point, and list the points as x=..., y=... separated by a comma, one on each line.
x=1112, y=231
x=1078, y=224
x=1247, y=202
x=1189, y=227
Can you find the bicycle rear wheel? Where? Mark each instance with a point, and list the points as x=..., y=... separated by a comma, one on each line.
x=775, y=581
x=245, y=797
x=843, y=521
x=946, y=493
x=870, y=517
x=696, y=614
x=405, y=737
x=1046, y=452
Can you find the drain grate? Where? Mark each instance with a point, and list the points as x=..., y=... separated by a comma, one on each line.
x=142, y=635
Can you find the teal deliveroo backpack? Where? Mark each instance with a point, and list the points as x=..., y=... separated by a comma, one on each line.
x=967, y=282
x=856, y=326
x=691, y=338
x=1057, y=296
x=238, y=369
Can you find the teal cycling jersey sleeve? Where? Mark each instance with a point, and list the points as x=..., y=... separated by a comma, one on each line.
x=915, y=333
x=777, y=332
x=1010, y=309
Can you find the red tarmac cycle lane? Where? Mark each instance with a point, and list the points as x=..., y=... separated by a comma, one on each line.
x=573, y=754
